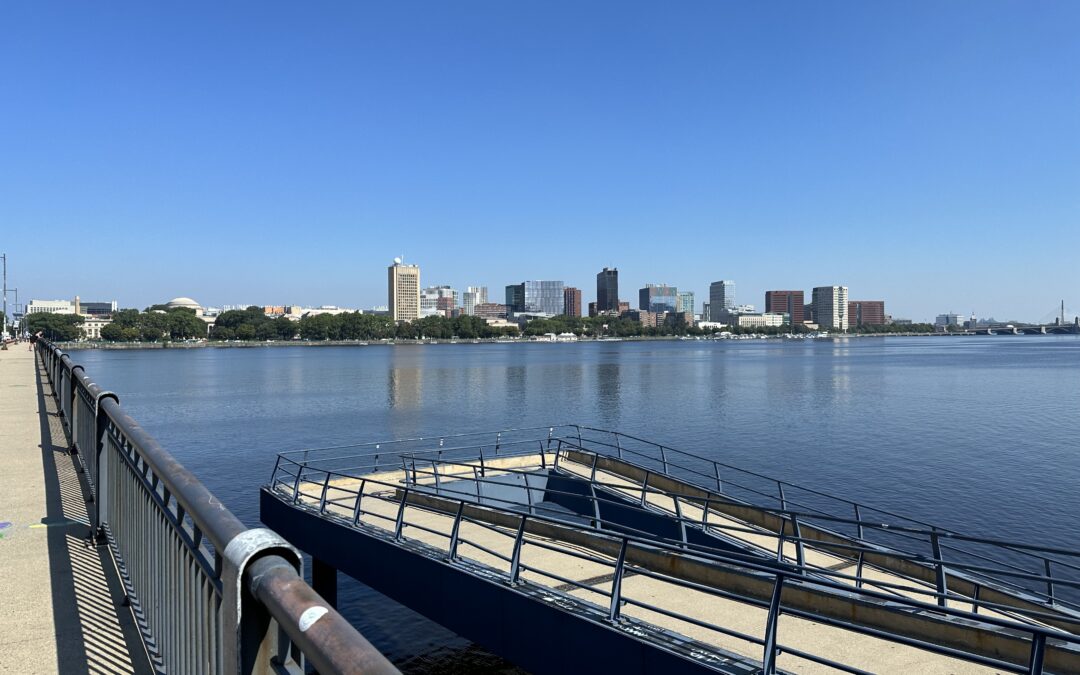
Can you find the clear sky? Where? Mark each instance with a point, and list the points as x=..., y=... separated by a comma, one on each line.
x=924, y=153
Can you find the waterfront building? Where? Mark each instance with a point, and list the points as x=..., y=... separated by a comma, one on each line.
x=435, y=300
x=646, y=318
x=473, y=296
x=607, y=290
x=866, y=312
x=831, y=307
x=948, y=319
x=92, y=325
x=490, y=310
x=623, y=306
x=544, y=297
x=572, y=301
x=593, y=311
x=50, y=307
x=403, y=291
x=791, y=303
x=75, y=306
x=658, y=298
x=721, y=300
x=684, y=302
x=676, y=320
x=706, y=312
x=759, y=320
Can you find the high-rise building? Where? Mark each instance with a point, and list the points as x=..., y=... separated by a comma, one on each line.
x=572, y=301
x=607, y=290
x=437, y=300
x=403, y=291
x=831, y=307
x=473, y=296
x=685, y=302
x=542, y=297
x=866, y=312
x=658, y=298
x=721, y=299
x=786, y=302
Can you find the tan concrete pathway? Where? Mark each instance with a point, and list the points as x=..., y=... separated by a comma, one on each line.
x=62, y=608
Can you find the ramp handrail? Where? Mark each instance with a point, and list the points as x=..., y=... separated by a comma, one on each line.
x=209, y=594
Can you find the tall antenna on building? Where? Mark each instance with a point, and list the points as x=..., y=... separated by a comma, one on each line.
x=1062, y=312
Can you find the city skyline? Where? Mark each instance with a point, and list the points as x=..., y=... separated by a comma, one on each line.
x=798, y=144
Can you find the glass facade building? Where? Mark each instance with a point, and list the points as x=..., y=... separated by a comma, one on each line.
x=545, y=297
x=721, y=299
x=686, y=302
x=658, y=298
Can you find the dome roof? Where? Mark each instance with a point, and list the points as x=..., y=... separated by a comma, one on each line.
x=183, y=302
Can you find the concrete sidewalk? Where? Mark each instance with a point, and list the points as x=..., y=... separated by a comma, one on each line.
x=63, y=608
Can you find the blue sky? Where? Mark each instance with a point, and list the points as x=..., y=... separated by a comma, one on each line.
x=923, y=153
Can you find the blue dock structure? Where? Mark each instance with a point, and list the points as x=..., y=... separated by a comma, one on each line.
x=574, y=549
x=206, y=593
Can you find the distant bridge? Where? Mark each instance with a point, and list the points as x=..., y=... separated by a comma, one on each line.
x=1028, y=329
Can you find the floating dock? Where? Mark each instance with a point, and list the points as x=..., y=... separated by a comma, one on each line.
x=577, y=548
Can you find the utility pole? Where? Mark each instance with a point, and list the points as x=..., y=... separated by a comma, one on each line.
x=3, y=334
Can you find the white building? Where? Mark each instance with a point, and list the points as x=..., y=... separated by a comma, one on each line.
x=763, y=320
x=473, y=296
x=830, y=307
x=51, y=307
x=91, y=327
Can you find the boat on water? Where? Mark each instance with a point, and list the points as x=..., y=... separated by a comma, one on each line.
x=575, y=548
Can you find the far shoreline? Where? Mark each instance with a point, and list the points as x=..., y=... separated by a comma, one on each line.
x=253, y=344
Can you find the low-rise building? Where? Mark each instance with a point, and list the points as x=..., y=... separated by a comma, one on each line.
x=490, y=310
x=762, y=320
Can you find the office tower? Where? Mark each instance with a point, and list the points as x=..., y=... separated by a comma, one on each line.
x=830, y=307
x=721, y=299
x=473, y=296
x=541, y=297
x=685, y=302
x=404, y=291
x=658, y=298
x=786, y=302
x=866, y=312
x=572, y=301
x=607, y=290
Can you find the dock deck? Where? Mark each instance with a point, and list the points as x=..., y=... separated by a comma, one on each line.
x=63, y=601
x=621, y=548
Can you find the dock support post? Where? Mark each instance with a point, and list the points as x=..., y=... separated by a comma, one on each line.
x=324, y=580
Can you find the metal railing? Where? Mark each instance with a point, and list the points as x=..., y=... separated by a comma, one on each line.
x=209, y=594
x=447, y=475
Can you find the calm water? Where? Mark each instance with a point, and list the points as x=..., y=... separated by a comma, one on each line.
x=979, y=434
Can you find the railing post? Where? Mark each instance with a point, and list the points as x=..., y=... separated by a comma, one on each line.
x=719, y=483
x=101, y=491
x=616, y=583
x=1038, y=654
x=663, y=457
x=800, y=556
x=942, y=587
x=357, y=513
x=515, y=562
x=859, y=568
x=768, y=661
x=1049, y=581
x=399, y=523
x=592, y=476
x=783, y=501
x=322, y=497
x=455, y=531
x=645, y=486
x=618, y=444
x=858, y=517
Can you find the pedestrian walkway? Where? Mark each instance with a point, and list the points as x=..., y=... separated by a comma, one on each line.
x=63, y=605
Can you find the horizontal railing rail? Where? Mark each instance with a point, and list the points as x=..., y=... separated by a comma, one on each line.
x=341, y=496
x=1050, y=574
x=209, y=594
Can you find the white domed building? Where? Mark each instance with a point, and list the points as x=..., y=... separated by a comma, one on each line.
x=185, y=303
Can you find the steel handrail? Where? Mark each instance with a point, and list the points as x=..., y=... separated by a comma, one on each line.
x=245, y=562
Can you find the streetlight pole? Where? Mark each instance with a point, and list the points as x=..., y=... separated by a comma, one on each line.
x=3, y=333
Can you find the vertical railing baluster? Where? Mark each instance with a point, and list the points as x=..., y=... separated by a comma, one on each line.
x=515, y=560
x=455, y=531
x=400, y=522
x=858, y=518
x=1049, y=580
x=942, y=587
x=616, y=583
x=768, y=661
x=1038, y=654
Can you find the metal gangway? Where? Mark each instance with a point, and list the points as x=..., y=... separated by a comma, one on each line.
x=574, y=547
x=208, y=594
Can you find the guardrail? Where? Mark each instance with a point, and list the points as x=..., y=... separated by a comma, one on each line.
x=447, y=475
x=209, y=594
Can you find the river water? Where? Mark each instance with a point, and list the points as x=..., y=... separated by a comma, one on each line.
x=979, y=434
